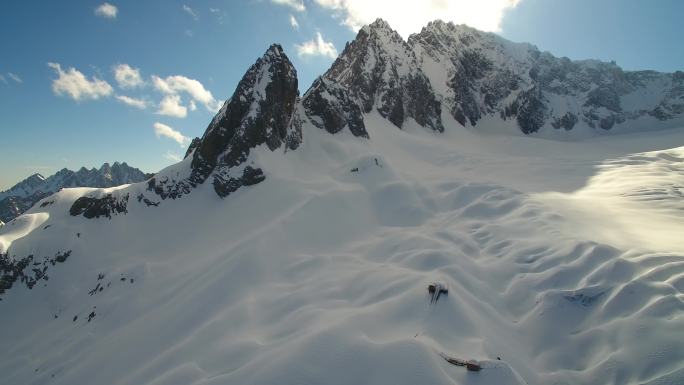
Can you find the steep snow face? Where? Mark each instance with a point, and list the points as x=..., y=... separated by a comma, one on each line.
x=381, y=73
x=262, y=111
x=319, y=273
x=478, y=74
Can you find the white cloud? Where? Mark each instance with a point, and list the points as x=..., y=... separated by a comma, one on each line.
x=191, y=12
x=219, y=14
x=161, y=129
x=74, y=84
x=2, y=79
x=192, y=105
x=297, y=5
x=14, y=77
x=409, y=17
x=171, y=106
x=293, y=22
x=107, y=10
x=316, y=47
x=133, y=102
x=127, y=77
x=173, y=156
x=174, y=85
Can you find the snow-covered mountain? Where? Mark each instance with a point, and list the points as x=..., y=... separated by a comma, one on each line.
x=481, y=76
x=23, y=195
x=296, y=241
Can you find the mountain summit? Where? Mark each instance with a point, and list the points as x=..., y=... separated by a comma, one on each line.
x=260, y=112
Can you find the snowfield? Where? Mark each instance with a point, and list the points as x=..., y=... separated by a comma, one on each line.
x=564, y=263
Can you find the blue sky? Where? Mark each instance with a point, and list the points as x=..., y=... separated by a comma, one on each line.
x=87, y=82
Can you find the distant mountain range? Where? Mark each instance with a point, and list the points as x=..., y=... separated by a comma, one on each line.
x=25, y=194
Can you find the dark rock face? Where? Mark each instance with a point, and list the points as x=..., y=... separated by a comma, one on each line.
x=224, y=184
x=531, y=111
x=193, y=145
x=566, y=122
x=490, y=76
x=262, y=110
x=27, y=270
x=329, y=107
x=99, y=207
x=470, y=67
x=379, y=69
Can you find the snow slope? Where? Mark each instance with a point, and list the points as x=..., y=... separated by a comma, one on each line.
x=296, y=241
x=319, y=273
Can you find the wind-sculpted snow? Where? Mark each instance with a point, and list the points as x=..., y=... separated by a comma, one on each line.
x=319, y=273
x=641, y=198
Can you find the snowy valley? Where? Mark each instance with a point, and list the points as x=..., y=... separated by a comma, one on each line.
x=296, y=241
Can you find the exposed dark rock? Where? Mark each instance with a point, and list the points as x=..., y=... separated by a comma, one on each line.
x=99, y=207
x=26, y=270
x=607, y=122
x=531, y=111
x=261, y=111
x=224, y=184
x=193, y=145
x=329, y=107
x=566, y=122
x=146, y=201
x=488, y=72
x=584, y=299
x=604, y=97
x=379, y=70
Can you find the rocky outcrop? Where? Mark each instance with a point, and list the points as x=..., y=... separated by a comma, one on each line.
x=27, y=270
x=329, y=107
x=99, y=207
x=193, y=146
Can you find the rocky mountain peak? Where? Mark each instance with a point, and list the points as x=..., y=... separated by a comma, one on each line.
x=33, y=180
x=380, y=71
x=261, y=111
x=379, y=24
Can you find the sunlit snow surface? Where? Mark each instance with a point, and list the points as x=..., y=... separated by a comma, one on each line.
x=561, y=258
